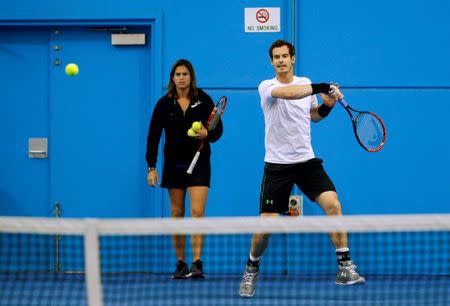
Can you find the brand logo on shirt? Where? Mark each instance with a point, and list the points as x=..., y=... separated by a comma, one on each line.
x=196, y=104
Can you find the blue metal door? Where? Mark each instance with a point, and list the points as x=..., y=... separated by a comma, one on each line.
x=24, y=114
x=99, y=124
x=95, y=122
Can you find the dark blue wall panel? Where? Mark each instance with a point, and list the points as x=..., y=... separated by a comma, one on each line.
x=411, y=174
x=376, y=43
x=213, y=37
x=390, y=57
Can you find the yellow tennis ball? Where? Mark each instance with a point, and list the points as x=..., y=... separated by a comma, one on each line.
x=191, y=133
x=197, y=125
x=72, y=69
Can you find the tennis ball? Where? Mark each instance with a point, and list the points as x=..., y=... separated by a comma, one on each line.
x=191, y=132
x=197, y=126
x=72, y=69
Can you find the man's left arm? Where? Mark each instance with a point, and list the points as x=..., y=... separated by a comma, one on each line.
x=328, y=102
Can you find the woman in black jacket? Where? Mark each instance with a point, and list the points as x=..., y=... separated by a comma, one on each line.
x=174, y=113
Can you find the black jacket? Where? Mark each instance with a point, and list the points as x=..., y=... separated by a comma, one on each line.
x=178, y=147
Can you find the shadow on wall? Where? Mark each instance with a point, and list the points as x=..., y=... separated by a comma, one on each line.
x=8, y=205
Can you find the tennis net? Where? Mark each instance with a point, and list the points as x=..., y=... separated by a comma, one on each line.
x=96, y=262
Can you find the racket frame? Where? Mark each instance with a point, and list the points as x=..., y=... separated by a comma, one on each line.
x=354, y=120
x=210, y=125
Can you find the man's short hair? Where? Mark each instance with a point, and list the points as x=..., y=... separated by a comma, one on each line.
x=280, y=43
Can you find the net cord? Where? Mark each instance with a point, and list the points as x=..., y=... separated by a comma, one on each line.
x=229, y=225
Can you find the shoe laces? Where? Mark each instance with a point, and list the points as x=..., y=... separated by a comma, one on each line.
x=351, y=269
x=249, y=277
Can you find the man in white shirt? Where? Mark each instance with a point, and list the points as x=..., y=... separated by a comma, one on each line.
x=289, y=105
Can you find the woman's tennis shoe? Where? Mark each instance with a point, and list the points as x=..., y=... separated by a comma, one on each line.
x=182, y=270
x=196, y=270
x=347, y=274
x=248, y=284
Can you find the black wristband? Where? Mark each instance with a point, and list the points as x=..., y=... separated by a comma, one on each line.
x=324, y=110
x=320, y=88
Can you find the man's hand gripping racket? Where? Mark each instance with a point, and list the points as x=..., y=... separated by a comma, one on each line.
x=212, y=122
x=369, y=129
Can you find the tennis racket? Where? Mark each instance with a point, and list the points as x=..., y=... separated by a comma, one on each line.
x=368, y=127
x=213, y=119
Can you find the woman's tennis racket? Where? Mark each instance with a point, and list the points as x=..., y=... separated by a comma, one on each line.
x=213, y=119
x=368, y=127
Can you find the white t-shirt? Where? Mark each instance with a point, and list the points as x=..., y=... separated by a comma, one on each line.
x=287, y=124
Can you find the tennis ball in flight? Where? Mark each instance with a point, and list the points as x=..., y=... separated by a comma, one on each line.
x=191, y=132
x=197, y=126
x=72, y=69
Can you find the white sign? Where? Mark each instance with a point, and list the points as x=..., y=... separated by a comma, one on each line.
x=262, y=19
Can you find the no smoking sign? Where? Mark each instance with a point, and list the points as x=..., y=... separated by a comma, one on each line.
x=262, y=15
x=262, y=19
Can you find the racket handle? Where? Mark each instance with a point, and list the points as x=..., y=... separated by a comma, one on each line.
x=193, y=163
x=341, y=101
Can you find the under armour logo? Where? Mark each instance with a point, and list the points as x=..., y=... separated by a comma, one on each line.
x=269, y=202
x=196, y=104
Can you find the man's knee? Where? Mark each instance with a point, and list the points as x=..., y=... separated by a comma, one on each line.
x=333, y=207
x=330, y=203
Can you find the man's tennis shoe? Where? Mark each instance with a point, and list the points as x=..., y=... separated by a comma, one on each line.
x=248, y=284
x=347, y=274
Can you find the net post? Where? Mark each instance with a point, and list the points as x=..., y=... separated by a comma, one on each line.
x=92, y=263
x=57, y=214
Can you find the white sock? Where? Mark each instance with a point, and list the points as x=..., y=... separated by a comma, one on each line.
x=254, y=259
x=342, y=250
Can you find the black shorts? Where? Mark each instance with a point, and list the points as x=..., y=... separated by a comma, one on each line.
x=279, y=179
x=175, y=176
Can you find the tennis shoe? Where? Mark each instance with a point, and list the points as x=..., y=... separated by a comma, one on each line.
x=182, y=270
x=347, y=274
x=196, y=270
x=247, y=286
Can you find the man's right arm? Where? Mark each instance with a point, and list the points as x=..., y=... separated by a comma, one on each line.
x=295, y=92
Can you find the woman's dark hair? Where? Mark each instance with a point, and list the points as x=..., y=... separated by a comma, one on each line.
x=171, y=88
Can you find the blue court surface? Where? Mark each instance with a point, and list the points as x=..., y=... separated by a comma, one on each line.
x=145, y=289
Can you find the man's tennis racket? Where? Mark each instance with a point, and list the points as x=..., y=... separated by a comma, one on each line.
x=368, y=127
x=213, y=119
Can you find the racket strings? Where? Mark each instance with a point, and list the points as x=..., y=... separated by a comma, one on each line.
x=370, y=131
x=218, y=114
x=212, y=124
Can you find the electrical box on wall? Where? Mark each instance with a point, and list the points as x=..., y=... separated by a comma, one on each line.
x=295, y=205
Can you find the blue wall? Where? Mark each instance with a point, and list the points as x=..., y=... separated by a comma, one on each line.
x=389, y=57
